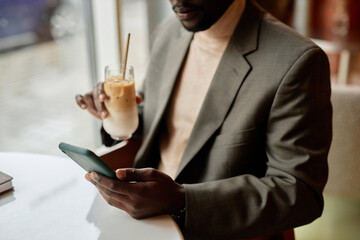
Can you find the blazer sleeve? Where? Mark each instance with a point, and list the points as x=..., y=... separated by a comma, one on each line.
x=298, y=138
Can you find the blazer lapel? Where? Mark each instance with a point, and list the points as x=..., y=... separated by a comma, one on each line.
x=232, y=71
x=171, y=70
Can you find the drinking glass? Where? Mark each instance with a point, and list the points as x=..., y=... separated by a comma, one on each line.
x=120, y=102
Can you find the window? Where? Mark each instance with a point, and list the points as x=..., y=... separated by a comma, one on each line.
x=40, y=75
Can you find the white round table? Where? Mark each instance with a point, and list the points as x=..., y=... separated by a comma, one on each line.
x=52, y=200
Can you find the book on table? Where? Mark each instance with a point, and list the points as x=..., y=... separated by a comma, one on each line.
x=5, y=182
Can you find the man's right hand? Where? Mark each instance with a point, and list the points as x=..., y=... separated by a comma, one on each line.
x=94, y=101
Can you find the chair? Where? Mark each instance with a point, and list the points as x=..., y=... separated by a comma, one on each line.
x=341, y=216
x=344, y=155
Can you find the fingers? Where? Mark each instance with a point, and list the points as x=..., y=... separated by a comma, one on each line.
x=80, y=101
x=122, y=201
x=140, y=199
x=94, y=102
x=89, y=100
x=99, y=98
x=100, y=92
x=113, y=198
x=87, y=176
x=110, y=185
x=139, y=175
x=113, y=202
x=123, y=204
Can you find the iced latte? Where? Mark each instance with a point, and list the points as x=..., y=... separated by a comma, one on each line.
x=121, y=104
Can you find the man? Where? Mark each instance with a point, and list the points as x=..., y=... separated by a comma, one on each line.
x=236, y=125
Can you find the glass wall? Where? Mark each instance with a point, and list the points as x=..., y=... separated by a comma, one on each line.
x=51, y=50
x=138, y=17
x=43, y=64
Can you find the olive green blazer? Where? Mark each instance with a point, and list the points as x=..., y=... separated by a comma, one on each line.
x=256, y=160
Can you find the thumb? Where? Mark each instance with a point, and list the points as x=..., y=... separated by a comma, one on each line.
x=138, y=175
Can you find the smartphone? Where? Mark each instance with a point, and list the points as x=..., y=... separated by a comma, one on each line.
x=88, y=160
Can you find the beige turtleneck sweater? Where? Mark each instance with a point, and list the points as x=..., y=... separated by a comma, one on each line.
x=205, y=52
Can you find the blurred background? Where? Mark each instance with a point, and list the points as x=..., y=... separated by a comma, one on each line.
x=51, y=50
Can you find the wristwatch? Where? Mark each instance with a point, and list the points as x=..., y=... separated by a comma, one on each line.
x=180, y=217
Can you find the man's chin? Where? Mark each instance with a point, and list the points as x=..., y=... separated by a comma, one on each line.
x=195, y=27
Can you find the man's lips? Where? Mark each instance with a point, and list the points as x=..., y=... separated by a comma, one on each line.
x=186, y=13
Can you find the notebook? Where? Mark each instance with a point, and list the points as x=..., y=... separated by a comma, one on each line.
x=5, y=182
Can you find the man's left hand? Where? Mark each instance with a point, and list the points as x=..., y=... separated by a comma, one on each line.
x=140, y=192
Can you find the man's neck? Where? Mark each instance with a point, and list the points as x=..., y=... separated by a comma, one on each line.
x=226, y=25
